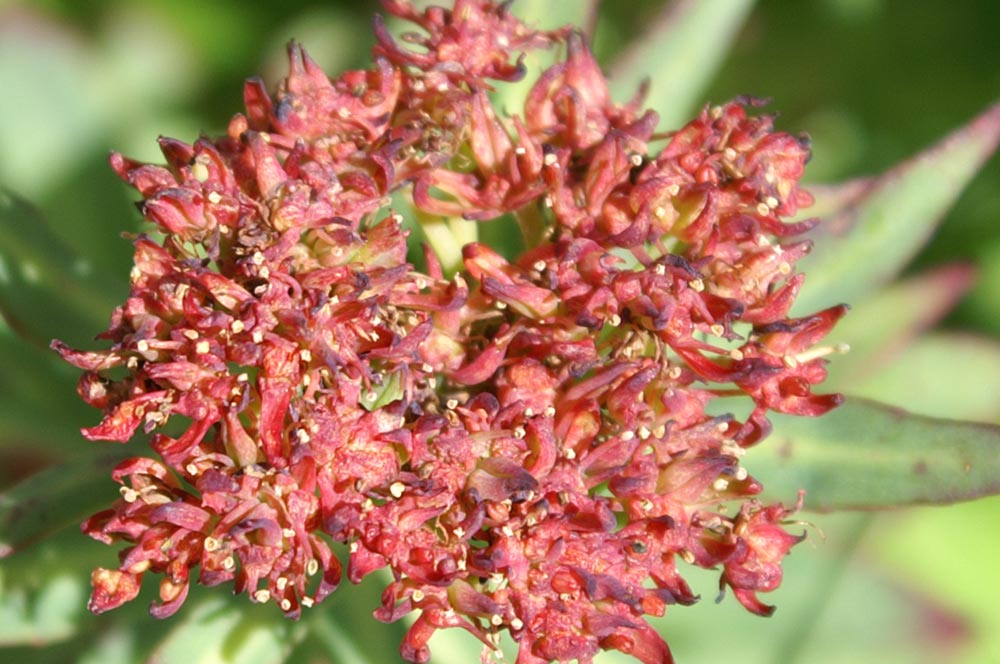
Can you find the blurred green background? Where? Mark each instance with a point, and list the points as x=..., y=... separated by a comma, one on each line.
x=872, y=81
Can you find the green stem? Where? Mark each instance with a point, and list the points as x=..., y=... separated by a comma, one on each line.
x=447, y=236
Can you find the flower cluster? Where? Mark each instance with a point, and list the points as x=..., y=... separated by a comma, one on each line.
x=525, y=442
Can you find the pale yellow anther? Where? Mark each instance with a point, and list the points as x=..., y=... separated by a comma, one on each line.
x=397, y=489
x=214, y=198
x=697, y=285
x=262, y=595
x=200, y=172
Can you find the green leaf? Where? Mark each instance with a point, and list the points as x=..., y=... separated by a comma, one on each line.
x=679, y=53
x=45, y=615
x=945, y=374
x=881, y=327
x=865, y=455
x=45, y=290
x=346, y=629
x=381, y=395
x=218, y=631
x=878, y=230
x=57, y=497
x=43, y=591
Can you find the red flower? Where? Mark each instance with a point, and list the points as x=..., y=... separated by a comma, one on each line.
x=526, y=446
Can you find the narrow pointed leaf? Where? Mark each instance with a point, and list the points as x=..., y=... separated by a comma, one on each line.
x=872, y=238
x=947, y=374
x=45, y=291
x=57, y=497
x=880, y=327
x=865, y=455
x=679, y=53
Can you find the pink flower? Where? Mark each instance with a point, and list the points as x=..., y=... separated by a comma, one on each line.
x=526, y=445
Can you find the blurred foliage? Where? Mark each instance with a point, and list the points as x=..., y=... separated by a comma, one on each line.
x=872, y=81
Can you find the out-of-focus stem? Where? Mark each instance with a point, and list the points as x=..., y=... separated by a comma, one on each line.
x=447, y=236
